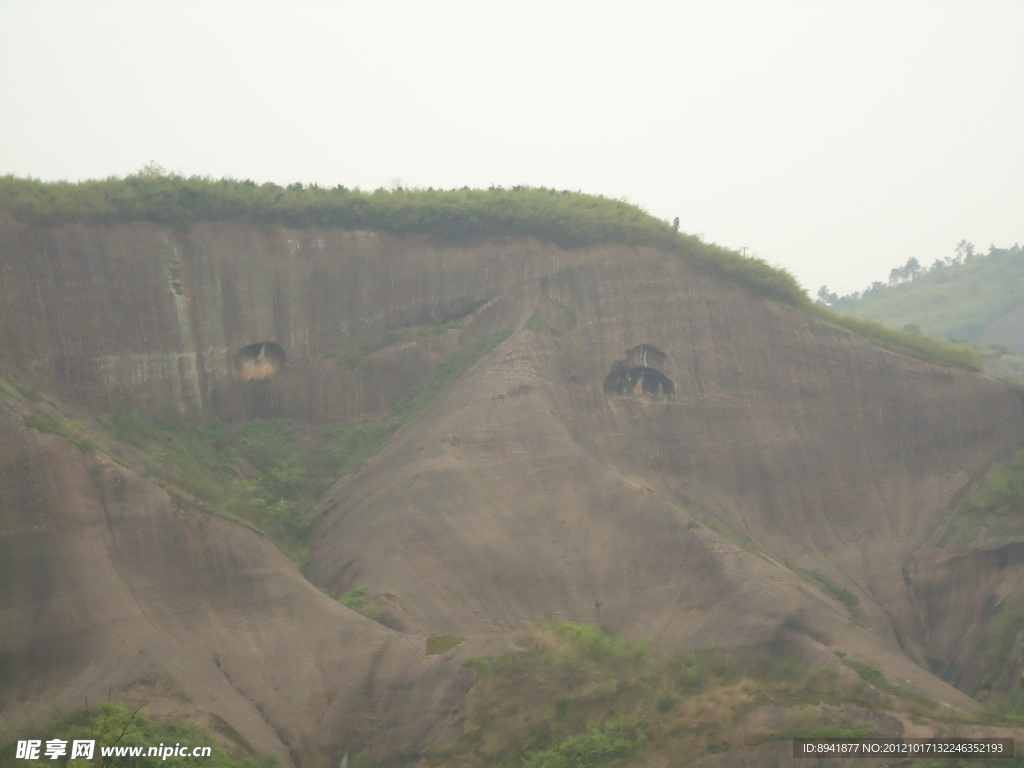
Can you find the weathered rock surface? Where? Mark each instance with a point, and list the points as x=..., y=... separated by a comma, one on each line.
x=527, y=491
x=689, y=514
x=109, y=589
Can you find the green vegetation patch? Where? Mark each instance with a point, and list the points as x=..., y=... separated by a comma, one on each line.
x=840, y=593
x=266, y=473
x=205, y=463
x=269, y=474
x=113, y=725
x=922, y=347
x=438, y=644
x=8, y=389
x=995, y=505
x=355, y=599
x=73, y=431
x=1003, y=638
x=877, y=679
x=573, y=695
x=599, y=744
x=724, y=531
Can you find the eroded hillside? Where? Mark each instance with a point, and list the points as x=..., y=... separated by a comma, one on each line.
x=604, y=434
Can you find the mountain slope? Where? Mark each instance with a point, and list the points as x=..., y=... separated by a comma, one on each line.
x=651, y=448
x=527, y=490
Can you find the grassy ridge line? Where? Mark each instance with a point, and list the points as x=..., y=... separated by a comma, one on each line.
x=568, y=219
x=922, y=347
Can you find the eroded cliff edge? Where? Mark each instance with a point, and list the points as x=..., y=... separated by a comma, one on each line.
x=690, y=515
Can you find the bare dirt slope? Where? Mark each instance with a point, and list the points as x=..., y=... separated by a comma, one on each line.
x=650, y=449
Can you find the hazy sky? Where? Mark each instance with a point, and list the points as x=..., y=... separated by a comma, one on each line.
x=836, y=139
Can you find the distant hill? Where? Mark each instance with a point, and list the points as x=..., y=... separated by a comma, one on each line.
x=967, y=298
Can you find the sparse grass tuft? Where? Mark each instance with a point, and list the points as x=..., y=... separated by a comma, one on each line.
x=355, y=599
x=843, y=595
x=73, y=431
x=873, y=676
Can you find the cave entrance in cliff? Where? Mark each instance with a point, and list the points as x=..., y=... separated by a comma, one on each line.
x=640, y=374
x=259, y=361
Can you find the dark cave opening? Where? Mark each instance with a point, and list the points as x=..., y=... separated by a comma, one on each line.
x=636, y=376
x=259, y=361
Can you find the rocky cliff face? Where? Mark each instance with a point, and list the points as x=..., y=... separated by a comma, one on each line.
x=139, y=317
x=651, y=449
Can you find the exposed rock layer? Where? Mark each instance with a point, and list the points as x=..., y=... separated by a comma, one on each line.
x=786, y=446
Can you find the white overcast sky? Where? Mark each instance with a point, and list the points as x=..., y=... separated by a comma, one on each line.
x=836, y=139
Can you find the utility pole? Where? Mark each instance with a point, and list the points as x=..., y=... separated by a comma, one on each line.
x=744, y=249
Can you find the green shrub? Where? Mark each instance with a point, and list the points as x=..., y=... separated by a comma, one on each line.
x=600, y=743
x=668, y=701
x=1001, y=490
x=355, y=599
x=590, y=645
